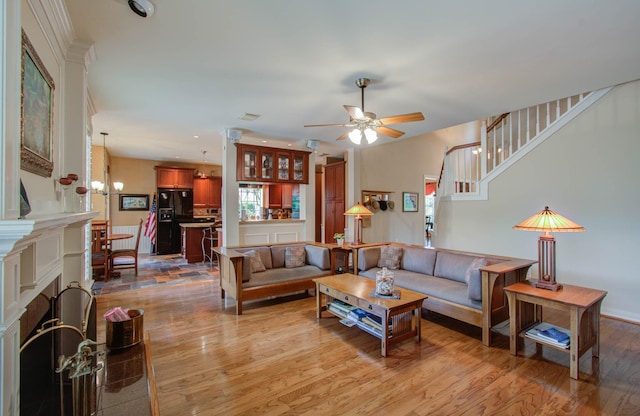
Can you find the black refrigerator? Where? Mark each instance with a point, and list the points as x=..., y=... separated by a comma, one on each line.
x=175, y=206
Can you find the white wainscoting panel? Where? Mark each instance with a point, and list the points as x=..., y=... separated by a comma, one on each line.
x=145, y=242
x=286, y=237
x=257, y=238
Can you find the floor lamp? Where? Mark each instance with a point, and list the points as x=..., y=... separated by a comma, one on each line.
x=358, y=211
x=548, y=221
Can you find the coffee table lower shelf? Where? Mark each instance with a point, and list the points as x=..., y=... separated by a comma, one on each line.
x=401, y=315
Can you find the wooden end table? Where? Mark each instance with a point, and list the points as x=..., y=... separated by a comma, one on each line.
x=403, y=314
x=348, y=249
x=583, y=305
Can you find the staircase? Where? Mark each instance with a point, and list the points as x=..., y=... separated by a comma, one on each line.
x=467, y=169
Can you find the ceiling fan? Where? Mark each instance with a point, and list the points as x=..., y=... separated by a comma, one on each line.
x=367, y=124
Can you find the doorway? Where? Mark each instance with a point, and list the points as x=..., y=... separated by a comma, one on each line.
x=430, y=187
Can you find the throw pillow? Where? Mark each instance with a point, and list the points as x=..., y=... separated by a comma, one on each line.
x=256, y=261
x=390, y=257
x=294, y=257
x=473, y=277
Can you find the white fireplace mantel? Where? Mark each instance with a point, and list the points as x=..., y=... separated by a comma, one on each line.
x=34, y=252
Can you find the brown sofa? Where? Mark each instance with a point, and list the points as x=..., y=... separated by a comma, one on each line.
x=238, y=281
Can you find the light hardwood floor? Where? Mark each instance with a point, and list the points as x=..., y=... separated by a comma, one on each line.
x=277, y=359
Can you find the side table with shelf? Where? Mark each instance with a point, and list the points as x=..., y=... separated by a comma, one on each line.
x=583, y=304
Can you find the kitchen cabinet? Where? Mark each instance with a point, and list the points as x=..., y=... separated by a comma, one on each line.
x=279, y=196
x=287, y=195
x=255, y=163
x=207, y=192
x=273, y=196
x=177, y=178
x=267, y=164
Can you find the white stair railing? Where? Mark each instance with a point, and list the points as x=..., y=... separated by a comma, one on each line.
x=517, y=128
x=503, y=139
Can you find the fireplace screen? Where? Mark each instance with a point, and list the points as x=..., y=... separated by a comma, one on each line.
x=58, y=364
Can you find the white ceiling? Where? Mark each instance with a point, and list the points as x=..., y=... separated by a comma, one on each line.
x=195, y=66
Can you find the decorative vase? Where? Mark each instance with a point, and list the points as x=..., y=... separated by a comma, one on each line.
x=384, y=282
x=340, y=241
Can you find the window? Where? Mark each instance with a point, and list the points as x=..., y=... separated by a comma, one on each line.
x=250, y=202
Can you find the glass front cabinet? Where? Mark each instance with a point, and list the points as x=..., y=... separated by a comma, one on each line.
x=267, y=164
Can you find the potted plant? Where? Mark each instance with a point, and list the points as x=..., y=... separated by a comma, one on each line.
x=339, y=237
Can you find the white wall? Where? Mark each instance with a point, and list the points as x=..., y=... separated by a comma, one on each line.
x=401, y=166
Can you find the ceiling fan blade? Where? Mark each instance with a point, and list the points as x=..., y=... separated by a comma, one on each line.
x=387, y=131
x=329, y=125
x=354, y=112
x=402, y=118
x=344, y=136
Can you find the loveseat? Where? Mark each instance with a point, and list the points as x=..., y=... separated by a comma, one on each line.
x=257, y=272
x=462, y=285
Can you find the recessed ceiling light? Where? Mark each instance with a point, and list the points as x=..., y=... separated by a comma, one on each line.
x=196, y=137
x=143, y=8
x=290, y=144
x=264, y=141
x=248, y=116
x=177, y=157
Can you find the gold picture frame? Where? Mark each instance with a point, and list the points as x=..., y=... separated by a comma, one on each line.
x=36, y=113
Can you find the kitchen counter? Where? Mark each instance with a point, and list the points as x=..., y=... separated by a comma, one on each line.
x=286, y=220
x=197, y=224
x=192, y=234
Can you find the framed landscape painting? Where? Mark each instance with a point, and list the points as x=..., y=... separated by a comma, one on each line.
x=410, y=201
x=134, y=202
x=36, y=118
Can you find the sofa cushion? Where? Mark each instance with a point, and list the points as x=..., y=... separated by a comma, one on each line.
x=390, y=257
x=473, y=277
x=368, y=257
x=436, y=287
x=419, y=260
x=275, y=276
x=256, y=261
x=265, y=254
x=318, y=256
x=452, y=266
x=277, y=254
x=294, y=257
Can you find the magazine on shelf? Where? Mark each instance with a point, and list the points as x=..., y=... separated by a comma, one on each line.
x=357, y=314
x=345, y=308
x=554, y=335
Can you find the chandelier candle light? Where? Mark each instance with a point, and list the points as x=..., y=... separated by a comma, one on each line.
x=358, y=210
x=548, y=221
x=97, y=186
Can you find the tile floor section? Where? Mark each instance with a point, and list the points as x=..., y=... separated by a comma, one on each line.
x=154, y=271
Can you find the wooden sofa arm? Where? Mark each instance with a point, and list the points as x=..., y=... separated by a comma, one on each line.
x=230, y=265
x=494, y=305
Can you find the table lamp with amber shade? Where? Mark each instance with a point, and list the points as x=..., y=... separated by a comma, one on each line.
x=548, y=221
x=358, y=210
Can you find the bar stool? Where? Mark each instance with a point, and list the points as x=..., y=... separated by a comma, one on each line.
x=210, y=235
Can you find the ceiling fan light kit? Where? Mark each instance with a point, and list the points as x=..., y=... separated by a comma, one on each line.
x=367, y=124
x=143, y=8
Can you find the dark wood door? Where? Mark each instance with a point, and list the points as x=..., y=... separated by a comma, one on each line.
x=334, y=221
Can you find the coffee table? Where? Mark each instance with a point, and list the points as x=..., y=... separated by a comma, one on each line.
x=402, y=315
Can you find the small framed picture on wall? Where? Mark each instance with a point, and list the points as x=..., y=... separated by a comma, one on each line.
x=134, y=202
x=410, y=202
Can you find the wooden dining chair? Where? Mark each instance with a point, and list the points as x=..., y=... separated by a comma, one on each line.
x=100, y=249
x=124, y=253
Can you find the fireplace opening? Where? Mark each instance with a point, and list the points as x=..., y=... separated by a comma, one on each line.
x=54, y=324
